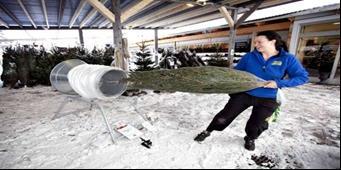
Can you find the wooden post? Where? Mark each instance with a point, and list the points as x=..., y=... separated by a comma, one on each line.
x=254, y=33
x=81, y=38
x=336, y=62
x=232, y=36
x=156, y=47
x=117, y=26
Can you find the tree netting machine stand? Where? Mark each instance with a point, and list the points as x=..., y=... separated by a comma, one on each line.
x=89, y=85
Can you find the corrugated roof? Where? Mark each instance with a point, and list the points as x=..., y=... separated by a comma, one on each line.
x=66, y=14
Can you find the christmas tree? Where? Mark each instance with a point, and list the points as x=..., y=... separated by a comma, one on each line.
x=144, y=61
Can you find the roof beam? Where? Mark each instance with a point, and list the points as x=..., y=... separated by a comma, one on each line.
x=184, y=16
x=166, y=13
x=27, y=13
x=102, y=9
x=135, y=9
x=61, y=11
x=11, y=15
x=197, y=20
x=248, y=13
x=155, y=14
x=2, y=22
x=240, y=31
x=43, y=4
x=77, y=12
x=90, y=15
x=130, y=11
x=227, y=16
x=97, y=21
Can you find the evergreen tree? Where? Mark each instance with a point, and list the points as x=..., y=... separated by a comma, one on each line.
x=143, y=58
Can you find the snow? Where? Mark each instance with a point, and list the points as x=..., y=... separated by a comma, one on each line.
x=307, y=134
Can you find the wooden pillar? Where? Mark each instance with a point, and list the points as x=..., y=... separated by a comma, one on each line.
x=254, y=33
x=232, y=37
x=336, y=62
x=81, y=38
x=156, y=47
x=117, y=26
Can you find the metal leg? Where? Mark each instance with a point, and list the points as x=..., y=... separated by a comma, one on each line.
x=106, y=122
x=68, y=99
x=92, y=103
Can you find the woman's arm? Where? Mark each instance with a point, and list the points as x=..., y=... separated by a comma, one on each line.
x=297, y=74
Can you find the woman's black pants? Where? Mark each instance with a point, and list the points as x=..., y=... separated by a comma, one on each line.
x=262, y=109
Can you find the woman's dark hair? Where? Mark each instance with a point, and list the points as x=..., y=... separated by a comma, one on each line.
x=272, y=35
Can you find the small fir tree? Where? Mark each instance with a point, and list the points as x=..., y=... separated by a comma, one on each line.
x=143, y=58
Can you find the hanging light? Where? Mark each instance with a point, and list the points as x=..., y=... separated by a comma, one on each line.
x=201, y=2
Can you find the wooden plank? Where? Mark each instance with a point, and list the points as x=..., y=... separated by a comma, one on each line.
x=81, y=5
x=102, y=9
x=90, y=15
x=11, y=15
x=109, y=25
x=43, y=4
x=135, y=9
x=241, y=31
x=248, y=13
x=2, y=22
x=153, y=14
x=61, y=11
x=27, y=13
x=130, y=11
x=197, y=20
x=163, y=15
x=184, y=16
x=81, y=37
x=117, y=26
x=227, y=16
x=232, y=39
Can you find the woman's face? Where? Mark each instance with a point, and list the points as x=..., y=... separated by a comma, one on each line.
x=262, y=44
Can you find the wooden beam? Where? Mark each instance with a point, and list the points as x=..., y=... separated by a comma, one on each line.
x=61, y=11
x=102, y=9
x=197, y=20
x=240, y=31
x=43, y=4
x=135, y=9
x=77, y=12
x=27, y=13
x=130, y=11
x=184, y=16
x=91, y=14
x=81, y=37
x=227, y=16
x=10, y=14
x=248, y=13
x=165, y=14
x=156, y=43
x=154, y=14
x=98, y=21
x=2, y=22
x=232, y=38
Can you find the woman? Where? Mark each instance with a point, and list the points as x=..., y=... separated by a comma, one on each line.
x=271, y=62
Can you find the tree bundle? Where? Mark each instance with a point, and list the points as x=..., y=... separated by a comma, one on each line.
x=207, y=79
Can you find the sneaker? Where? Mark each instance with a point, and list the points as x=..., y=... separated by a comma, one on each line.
x=249, y=143
x=201, y=137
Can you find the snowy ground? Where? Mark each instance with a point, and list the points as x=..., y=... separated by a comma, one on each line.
x=307, y=134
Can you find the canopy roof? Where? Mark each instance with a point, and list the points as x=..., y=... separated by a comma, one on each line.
x=143, y=14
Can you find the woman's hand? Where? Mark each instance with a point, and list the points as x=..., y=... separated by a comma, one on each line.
x=271, y=84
